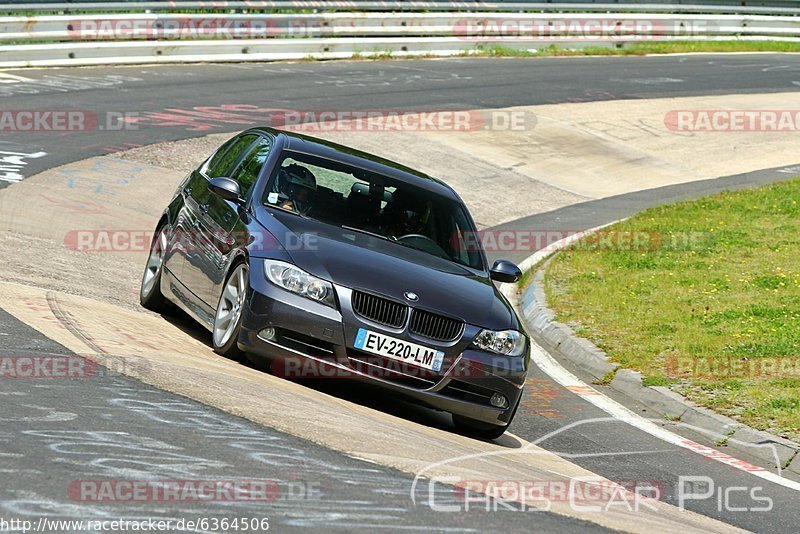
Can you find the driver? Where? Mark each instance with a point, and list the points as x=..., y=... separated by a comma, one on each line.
x=410, y=218
x=296, y=184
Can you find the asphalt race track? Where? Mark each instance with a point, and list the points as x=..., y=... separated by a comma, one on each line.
x=319, y=488
x=50, y=432
x=396, y=85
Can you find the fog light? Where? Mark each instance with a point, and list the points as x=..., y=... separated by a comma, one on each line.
x=499, y=401
x=267, y=333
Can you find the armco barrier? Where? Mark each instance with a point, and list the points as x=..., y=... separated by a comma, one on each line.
x=143, y=52
x=691, y=6
x=225, y=35
x=506, y=27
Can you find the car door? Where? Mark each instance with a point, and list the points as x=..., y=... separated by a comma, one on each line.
x=201, y=246
x=215, y=218
x=247, y=173
x=185, y=221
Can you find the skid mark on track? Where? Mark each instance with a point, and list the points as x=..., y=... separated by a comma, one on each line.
x=70, y=324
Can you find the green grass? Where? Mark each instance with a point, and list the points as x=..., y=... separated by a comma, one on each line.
x=640, y=49
x=633, y=49
x=606, y=379
x=713, y=283
x=526, y=278
x=713, y=46
x=500, y=50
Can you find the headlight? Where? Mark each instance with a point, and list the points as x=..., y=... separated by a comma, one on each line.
x=299, y=282
x=508, y=342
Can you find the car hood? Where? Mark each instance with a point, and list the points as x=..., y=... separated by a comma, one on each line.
x=361, y=261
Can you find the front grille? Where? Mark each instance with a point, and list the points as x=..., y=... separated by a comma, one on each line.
x=435, y=326
x=384, y=311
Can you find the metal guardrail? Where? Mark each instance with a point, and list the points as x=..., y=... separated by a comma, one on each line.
x=107, y=38
x=335, y=25
x=147, y=52
x=674, y=6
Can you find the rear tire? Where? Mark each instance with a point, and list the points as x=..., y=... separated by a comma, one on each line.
x=228, y=317
x=150, y=295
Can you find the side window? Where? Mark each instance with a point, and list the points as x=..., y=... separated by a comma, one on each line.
x=247, y=173
x=214, y=160
x=225, y=164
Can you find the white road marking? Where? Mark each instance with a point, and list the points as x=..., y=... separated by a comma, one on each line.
x=557, y=372
x=11, y=164
x=794, y=169
x=565, y=378
x=13, y=78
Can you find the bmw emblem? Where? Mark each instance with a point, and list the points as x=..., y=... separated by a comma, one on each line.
x=411, y=296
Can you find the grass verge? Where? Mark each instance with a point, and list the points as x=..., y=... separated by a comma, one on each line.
x=702, y=296
x=635, y=49
x=500, y=50
x=641, y=49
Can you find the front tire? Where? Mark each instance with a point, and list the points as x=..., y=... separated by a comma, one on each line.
x=150, y=295
x=228, y=318
x=478, y=429
x=482, y=430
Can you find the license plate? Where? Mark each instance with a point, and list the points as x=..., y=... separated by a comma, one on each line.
x=398, y=349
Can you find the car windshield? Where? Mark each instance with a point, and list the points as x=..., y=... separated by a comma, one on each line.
x=352, y=198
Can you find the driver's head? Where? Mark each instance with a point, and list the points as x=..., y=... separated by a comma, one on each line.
x=411, y=221
x=413, y=216
x=299, y=182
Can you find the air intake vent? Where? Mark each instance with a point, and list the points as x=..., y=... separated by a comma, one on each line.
x=384, y=311
x=435, y=326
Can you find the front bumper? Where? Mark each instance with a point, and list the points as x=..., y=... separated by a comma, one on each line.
x=314, y=340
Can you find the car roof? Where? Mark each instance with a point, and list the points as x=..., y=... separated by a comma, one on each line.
x=370, y=162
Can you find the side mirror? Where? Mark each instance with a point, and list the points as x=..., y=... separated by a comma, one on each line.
x=504, y=271
x=226, y=188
